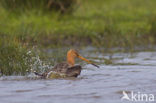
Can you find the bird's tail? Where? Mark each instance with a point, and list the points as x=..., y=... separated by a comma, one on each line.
x=38, y=74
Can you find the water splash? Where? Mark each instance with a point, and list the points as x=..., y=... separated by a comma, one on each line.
x=36, y=64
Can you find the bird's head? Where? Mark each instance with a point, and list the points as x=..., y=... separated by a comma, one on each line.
x=72, y=54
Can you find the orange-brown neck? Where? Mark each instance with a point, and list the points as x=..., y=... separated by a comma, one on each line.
x=71, y=57
x=71, y=60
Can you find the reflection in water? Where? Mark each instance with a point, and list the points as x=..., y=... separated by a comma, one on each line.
x=104, y=85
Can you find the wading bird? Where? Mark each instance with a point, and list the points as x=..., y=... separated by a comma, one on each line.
x=68, y=68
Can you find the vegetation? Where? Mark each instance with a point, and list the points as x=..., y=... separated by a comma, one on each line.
x=105, y=23
x=62, y=6
x=101, y=23
x=13, y=57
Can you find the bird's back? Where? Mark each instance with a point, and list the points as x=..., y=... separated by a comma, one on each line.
x=62, y=70
x=66, y=69
x=61, y=67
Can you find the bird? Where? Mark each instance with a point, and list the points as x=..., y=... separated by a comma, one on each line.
x=67, y=68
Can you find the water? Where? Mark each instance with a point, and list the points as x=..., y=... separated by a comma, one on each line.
x=129, y=72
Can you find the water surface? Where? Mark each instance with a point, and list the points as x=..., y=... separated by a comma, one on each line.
x=128, y=72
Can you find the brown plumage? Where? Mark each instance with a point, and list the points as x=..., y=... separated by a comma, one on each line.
x=69, y=71
x=68, y=68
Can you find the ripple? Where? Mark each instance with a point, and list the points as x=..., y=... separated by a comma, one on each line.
x=121, y=91
x=21, y=91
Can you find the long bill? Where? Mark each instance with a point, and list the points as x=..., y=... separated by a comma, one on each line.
x=86, y=60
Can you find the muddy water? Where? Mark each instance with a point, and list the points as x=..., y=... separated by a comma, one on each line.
x=129, y=72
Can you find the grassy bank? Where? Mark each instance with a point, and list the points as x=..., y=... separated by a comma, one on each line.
x=101, y=23
x=105, y=23
x=13, y=57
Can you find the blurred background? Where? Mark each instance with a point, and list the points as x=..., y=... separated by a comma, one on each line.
x=25, y=24
x=105, y=23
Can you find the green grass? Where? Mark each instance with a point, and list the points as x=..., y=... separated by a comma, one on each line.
x=97, y=22
x=14, y=59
